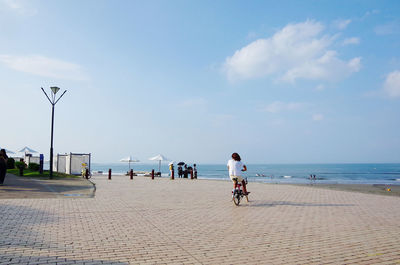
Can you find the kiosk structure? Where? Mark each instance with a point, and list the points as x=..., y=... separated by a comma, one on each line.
x=71, y=163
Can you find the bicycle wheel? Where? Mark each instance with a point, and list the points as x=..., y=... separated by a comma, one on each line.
x=236, y=198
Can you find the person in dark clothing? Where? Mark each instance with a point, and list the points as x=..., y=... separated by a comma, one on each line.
x=185, y=172
x=180, y=171
x=195, y=171
x=3, y=165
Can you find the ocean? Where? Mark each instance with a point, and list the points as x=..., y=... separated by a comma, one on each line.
x=280, y=173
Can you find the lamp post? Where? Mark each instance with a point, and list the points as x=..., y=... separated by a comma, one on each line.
x=53, y=101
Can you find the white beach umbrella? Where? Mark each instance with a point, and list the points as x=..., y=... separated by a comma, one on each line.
x=130, y=160
x=7, y=151
x=27, y=150
x=159, y=158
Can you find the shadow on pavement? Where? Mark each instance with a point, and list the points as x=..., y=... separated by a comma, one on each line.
x=297, y=204
x=24, y=187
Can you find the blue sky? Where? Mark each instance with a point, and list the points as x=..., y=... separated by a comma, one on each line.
x=278, y=82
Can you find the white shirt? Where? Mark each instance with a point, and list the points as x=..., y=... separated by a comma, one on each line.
x=235, y=167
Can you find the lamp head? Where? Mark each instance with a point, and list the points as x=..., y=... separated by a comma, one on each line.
x=54, y=89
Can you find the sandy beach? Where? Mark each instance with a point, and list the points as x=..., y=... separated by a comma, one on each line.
x=160, y=221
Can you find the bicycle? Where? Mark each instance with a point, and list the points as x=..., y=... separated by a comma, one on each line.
x=237, y=193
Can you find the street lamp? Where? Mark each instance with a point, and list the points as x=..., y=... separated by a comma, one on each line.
x=53, y=101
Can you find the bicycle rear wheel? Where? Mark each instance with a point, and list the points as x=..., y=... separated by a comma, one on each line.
x=236, y=198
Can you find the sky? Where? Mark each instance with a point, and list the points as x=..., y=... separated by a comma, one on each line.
x=275, y=81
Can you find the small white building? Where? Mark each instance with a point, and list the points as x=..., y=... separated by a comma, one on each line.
x=71, y=163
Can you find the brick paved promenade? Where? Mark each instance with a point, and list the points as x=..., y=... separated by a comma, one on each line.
x=194, y=222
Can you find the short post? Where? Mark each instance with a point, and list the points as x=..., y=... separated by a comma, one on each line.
x=109, y=174
x=21, y=170
x=41, y=161
x=87, y=173
x=152, y=174
x=191, y=174
x=172, y=174
x=131, y=173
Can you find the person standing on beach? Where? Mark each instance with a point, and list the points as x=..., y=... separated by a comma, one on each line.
x=195, y=171
x=180, y=172
x=235, y=168
x=185, y=171
x=3, y=165
x=171, y=168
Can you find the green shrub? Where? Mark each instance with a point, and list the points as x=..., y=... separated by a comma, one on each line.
x=34, y=166
x=19, y=164
x=10, y=163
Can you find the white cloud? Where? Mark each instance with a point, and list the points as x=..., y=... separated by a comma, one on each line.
x=392, y=84
x=13, y=4
x=278, y=106
x=353, y=40
x=18, y=6
x=327, y=67
x=341, y=23
x=298, y=51
x=317, y=117
x=369, y=13
x=44, y=66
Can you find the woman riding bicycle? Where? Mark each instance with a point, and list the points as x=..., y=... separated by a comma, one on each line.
x=235, y=167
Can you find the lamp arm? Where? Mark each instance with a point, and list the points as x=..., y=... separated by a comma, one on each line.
x=46, y=95
x=60, y=97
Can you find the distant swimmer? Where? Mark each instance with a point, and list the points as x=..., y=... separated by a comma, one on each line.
x=312, y=178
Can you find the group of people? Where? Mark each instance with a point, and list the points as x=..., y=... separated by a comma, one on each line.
x=3, y=165
x=185, y=171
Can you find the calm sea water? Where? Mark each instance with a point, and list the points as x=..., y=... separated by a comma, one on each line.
x=282, y=173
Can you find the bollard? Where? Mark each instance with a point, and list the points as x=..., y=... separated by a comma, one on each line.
x=87, y=173
x=131, y=173
x=109, y=174
x=191, y=174
x=152, y=174
x=172, y=174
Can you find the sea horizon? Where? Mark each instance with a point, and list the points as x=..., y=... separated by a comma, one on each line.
x=328, y=173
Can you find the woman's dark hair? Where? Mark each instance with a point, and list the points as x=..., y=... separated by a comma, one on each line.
x=236, y=157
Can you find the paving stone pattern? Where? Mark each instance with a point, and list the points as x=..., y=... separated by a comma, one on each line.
x=144, y=221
